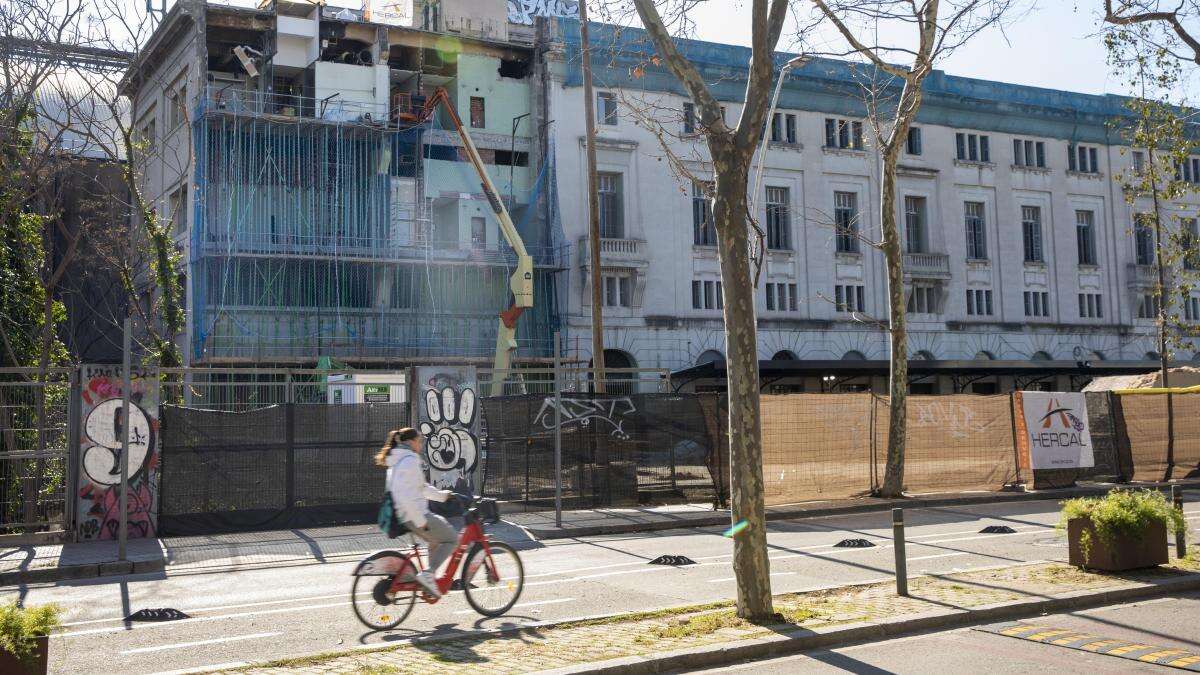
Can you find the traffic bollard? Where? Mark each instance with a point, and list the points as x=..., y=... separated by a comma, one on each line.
x=1180, y=537
x=901, y=559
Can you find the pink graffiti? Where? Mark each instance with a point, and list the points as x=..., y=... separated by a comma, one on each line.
x=105, y=513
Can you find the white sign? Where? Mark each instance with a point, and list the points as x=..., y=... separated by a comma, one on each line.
x=390, y=12
x=1056, y=431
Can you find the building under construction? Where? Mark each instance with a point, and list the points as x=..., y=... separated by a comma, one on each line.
x=321, y=211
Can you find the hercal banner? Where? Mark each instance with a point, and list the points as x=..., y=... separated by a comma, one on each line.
x=1052, y=430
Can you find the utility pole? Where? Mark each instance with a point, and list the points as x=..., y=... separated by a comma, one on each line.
x=589, y=107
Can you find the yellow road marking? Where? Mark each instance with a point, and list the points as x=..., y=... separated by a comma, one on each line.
x=1185, y=661
x=1046, y=634
x=1019, y=629
x=1100, y=644
x=1071, y=638
x=1121, y=651
x=1154, y=656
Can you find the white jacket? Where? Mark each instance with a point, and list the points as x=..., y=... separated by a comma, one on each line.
x=406, y=483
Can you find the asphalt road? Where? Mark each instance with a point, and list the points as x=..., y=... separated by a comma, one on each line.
x=1164, y=622
x=258, y=614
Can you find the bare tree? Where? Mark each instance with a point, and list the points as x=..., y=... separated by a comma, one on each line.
x=939, y=28
x=1170, y=25
x=730, y=152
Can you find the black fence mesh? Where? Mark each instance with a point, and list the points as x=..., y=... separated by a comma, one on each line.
x=286, y=466
x=615, y=449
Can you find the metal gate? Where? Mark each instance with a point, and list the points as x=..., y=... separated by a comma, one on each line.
x=37, y=413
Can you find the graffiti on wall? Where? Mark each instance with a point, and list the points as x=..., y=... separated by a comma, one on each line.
x=605, y=413
x=523, y=11
x=101, y=454
x=447, y=415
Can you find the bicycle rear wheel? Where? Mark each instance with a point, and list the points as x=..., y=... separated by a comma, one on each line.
x=493, y=583
x=373, y=607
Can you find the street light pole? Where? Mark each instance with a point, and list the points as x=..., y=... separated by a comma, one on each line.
x=589, y=109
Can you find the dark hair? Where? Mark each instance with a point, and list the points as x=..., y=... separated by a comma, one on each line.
x=394, y=438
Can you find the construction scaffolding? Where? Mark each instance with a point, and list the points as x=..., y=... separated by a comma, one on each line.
x=323, y=236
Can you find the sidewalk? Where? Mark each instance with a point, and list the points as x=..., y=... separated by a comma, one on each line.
x=180, y=555
x=712, y=635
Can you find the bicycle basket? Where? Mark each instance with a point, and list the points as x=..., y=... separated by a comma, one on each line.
x=489, y=510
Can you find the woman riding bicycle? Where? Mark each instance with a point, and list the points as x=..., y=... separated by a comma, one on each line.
x=410, y=499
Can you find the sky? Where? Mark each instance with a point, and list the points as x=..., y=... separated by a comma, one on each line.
x=1054, y=45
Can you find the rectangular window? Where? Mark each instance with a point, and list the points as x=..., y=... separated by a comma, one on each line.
x=178, y=108
x=697, y=295
x=913, y=144
x=1147, y=306
x=1083, y=159
x=845, y=219
x=1037, y=304
x=617, y=290
x=1031, y=229
x=849, y=299
x=789, y=128
x=707, y=295
x=914, y=225
x=689, y=118
x=975, y=229
x=1143, y=239
x=478, y=115
x=1091, y=306
x=843, y=134
x=606, y=108
x=1189, y=240
x=1085, y=236
x=1139, y=162
x=779, y=222
x=710, y=295
x=783, y=128
x=1191, y=308
x=478, y=232
x=972, y=147
x=612, y=206
x=703, y=232
x=1029, y=153
x=924, y=300
x=178, y=210
x=777, y=128
x=979, y=302
x=781, y=297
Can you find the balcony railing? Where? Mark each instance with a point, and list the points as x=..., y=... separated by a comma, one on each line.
x=627, y=250
x=927, y=265
x=1142, y=276
x=233, y=99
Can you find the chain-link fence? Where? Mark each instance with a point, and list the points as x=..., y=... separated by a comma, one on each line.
x=36, y=425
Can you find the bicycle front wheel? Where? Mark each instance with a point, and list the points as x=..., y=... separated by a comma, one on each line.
x=493, y=579
x=375, y=608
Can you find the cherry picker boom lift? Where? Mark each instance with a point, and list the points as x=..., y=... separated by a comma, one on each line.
x=521, y=282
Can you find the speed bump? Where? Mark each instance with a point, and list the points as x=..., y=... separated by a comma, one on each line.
x=1096, y=644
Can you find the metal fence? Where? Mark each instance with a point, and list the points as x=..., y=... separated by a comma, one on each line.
x=36, y=426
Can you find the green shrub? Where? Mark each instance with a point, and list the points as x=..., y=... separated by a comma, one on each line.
x=1121, y=513
x=21, y=626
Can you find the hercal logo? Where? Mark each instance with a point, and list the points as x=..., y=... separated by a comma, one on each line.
x=1061, y=428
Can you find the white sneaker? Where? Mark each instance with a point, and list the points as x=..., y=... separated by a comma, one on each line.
x=426, y=580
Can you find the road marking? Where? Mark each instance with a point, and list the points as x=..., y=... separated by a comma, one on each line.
x=774, y=574
x=232, y=665
x=182, y=645
x=1134, y=651
x=944, y=555
x=197, y=619
x=525, y=604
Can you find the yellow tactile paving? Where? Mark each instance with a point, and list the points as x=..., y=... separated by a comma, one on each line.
x=1178, y=658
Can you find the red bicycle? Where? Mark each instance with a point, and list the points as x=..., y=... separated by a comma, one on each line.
x=384, y=590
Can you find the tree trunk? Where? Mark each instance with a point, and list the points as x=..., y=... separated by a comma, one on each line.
x=893, y=476
x=750, y=563
x=1161, y=271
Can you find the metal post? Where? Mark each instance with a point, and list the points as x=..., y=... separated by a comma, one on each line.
x=557, y=433
x=1180, y=537
x=126, y=385
x=901, y=559
x=589, y=102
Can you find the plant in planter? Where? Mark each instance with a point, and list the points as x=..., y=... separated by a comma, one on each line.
x=1123, y=530
x=24, y=636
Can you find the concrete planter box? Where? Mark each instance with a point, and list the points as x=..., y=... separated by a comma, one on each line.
x=37, y=665
x=1123, y=553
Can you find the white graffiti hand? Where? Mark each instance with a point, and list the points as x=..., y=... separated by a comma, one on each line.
x=449, y=443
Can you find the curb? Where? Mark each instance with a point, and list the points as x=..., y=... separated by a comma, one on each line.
x=88, y=571
x=793, y=642
x=719, y=519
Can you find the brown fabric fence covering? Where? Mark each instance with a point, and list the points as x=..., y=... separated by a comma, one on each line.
x=1143, y=423
x=834, y=446
x=959, y=442
x=816, y=446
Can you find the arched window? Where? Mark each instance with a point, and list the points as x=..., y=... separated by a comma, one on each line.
x=1153, y=356
x=710, y=356
x=785, y=355
x=924, y=355
x=985, y=355
x=1040, y=356
x=618, y=359
x=1098, y=356
x=853, y=355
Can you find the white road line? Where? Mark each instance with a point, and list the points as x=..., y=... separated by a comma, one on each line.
x=219, y=607
x=197, y=619
x=525, y=604
x=182, y=645
x=232, y=665
x=774, y=574
x=944, y=555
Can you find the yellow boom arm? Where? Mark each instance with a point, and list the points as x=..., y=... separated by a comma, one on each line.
x=521, y=282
